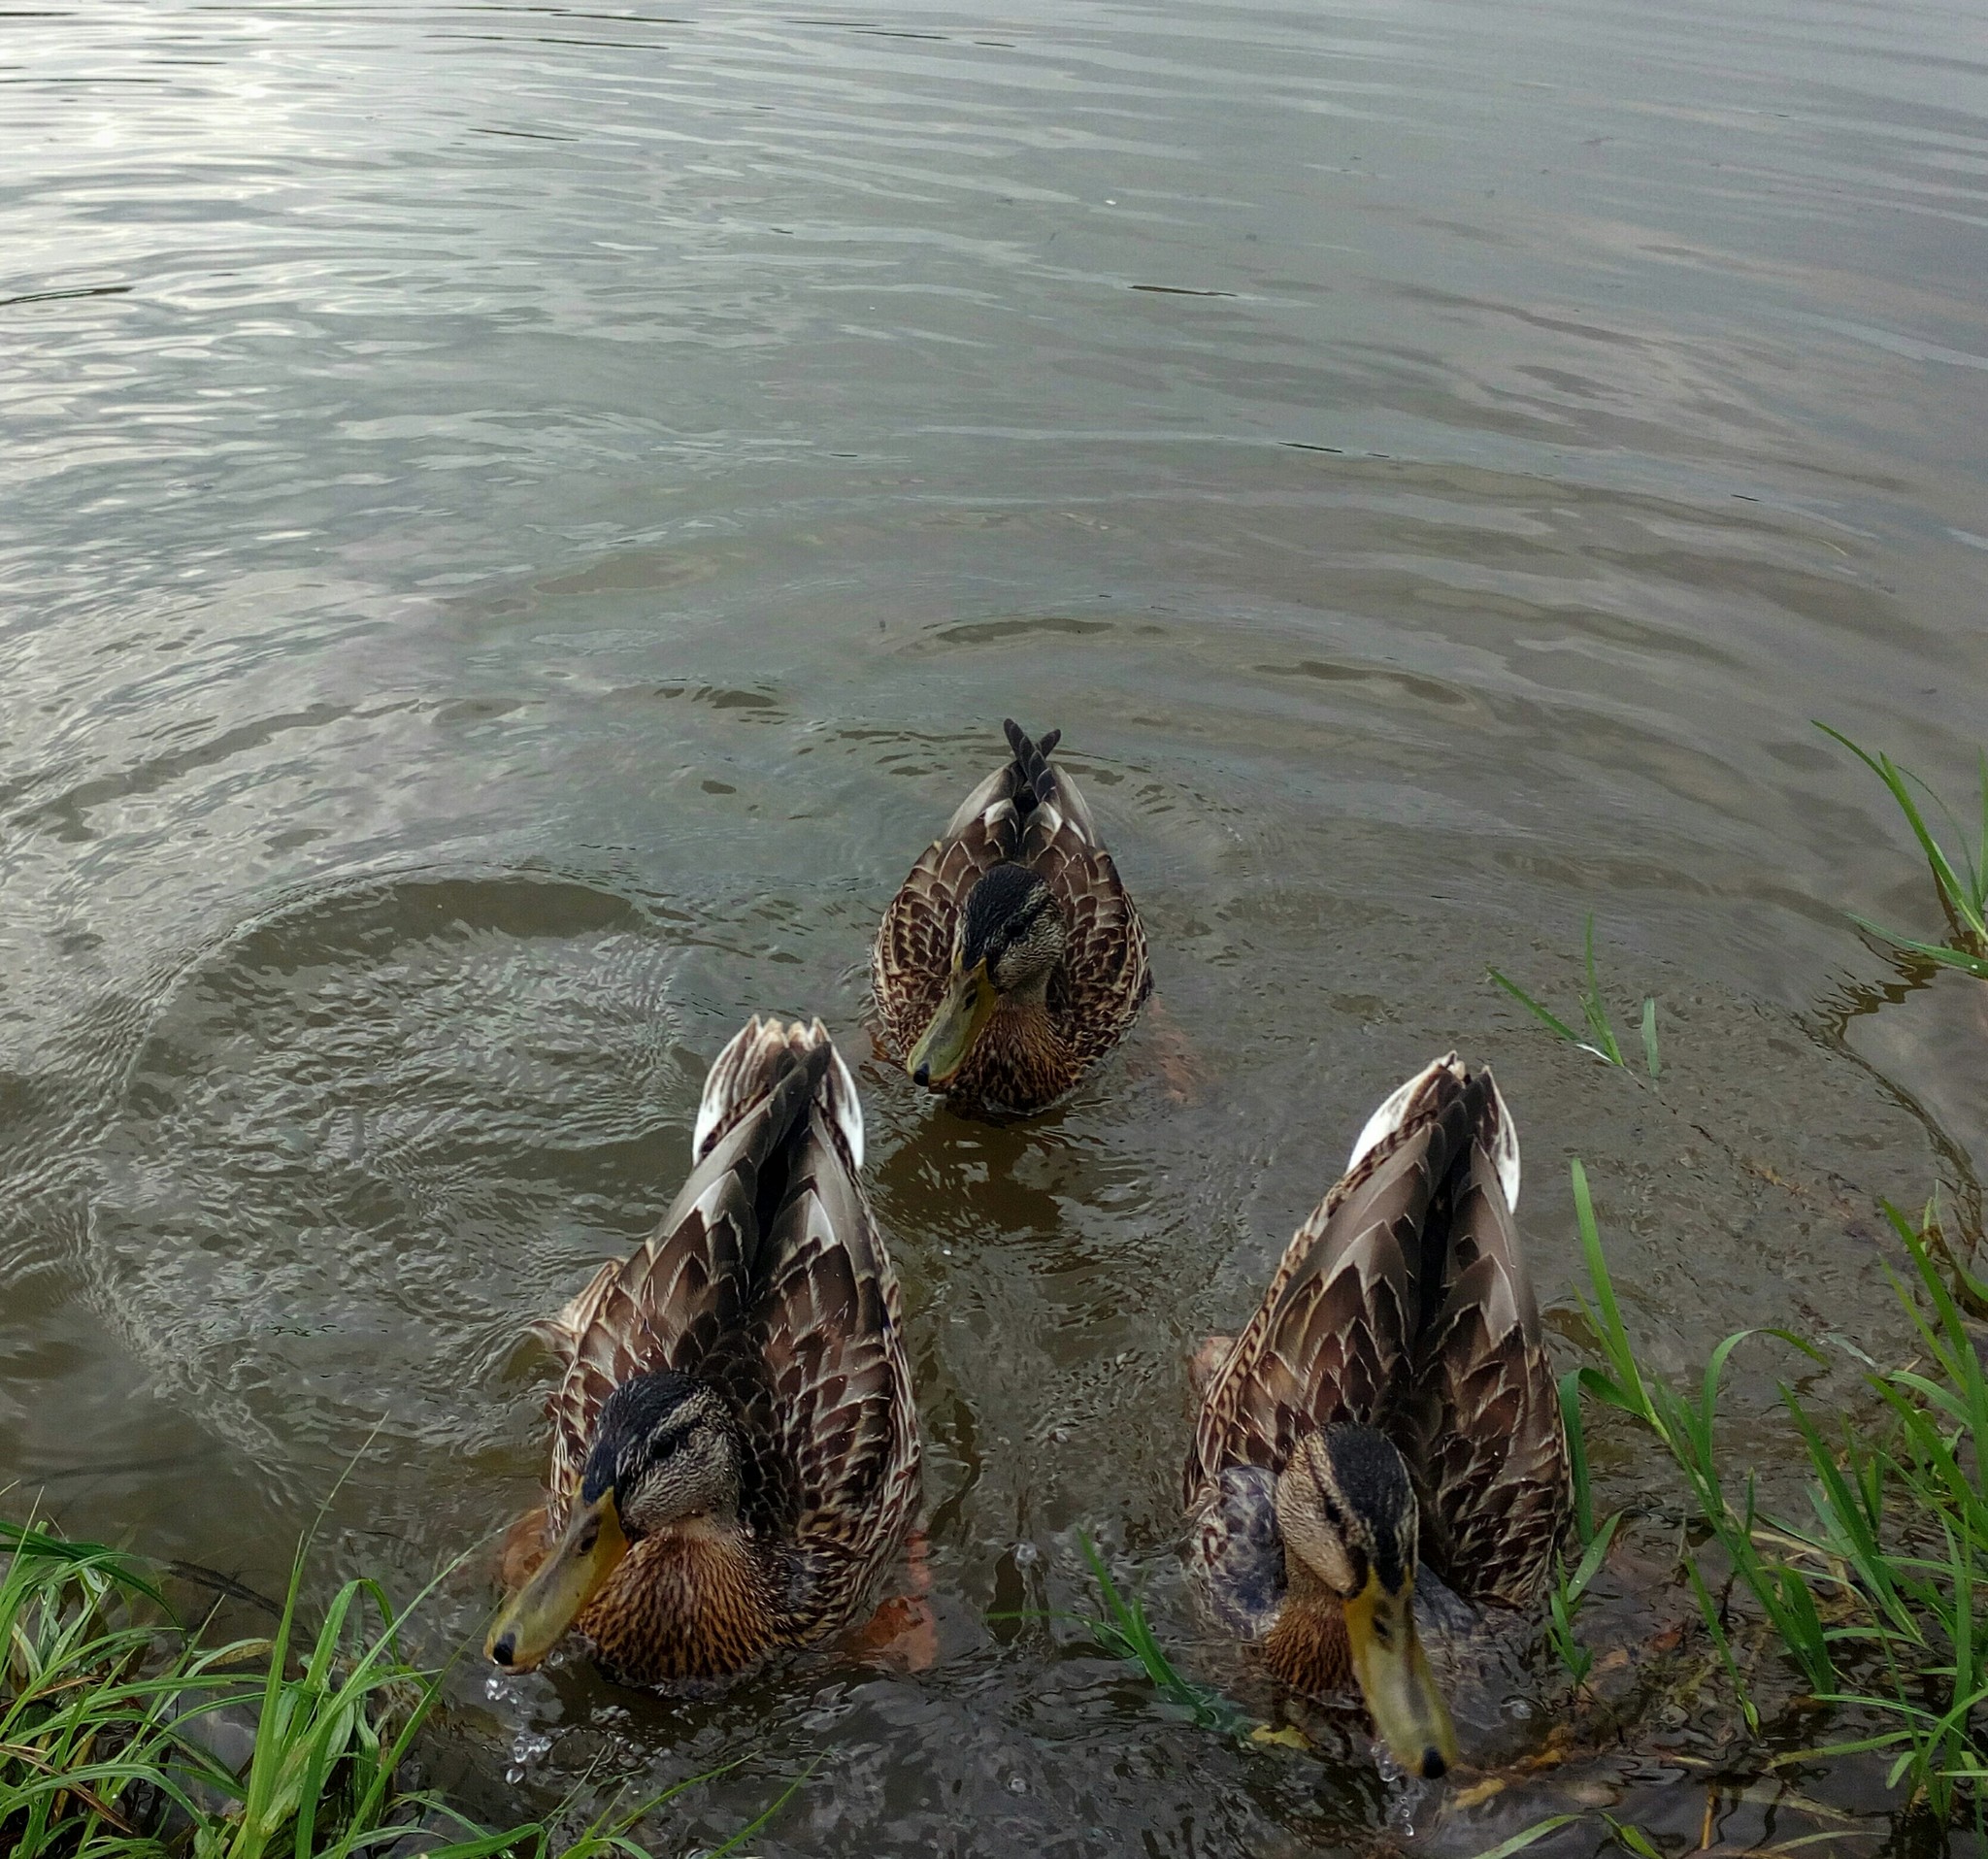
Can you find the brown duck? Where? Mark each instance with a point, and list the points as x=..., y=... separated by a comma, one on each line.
x=1389, y=1415
x=735, y=1450
x=1011, y=960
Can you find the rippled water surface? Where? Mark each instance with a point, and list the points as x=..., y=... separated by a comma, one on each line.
x=518, y=522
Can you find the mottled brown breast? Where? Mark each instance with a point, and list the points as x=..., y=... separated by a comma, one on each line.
x=1307, y=1648
x=683, y=1605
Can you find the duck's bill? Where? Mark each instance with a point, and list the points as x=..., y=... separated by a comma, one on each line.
x=942, y=1048
x=534, y=1618
x=1409, y=1712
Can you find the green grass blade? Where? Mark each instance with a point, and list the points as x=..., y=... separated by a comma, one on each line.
x=1633, y=1837
x=1527, y=1835
x=1577, y=1455
x=1550, y=1020
x=754, y=1826
x=1960, y=898
x=1709, y=1611
x=1626, y=1377
x=1594, y=1010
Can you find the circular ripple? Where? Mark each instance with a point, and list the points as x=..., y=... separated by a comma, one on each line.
x=363, y=1135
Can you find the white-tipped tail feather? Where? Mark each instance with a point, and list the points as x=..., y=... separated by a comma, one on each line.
x=1400, y=1107
x=751, y=1065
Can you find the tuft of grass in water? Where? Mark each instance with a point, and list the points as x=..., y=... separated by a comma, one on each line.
x=1905, y=1520
x=1686, y=1429
x=1601, y=1038
x=1885, y=1584
x=1564, y=1598
x=102, y=1697
x=1124, y=1632
x=1963, y=887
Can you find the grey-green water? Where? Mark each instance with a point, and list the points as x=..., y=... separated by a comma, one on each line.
x=518, y=522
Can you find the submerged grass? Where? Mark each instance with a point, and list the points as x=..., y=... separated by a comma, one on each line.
x=106, y=1708
x=1601, y=1038
x=1124, y=1632
x=1962, y=886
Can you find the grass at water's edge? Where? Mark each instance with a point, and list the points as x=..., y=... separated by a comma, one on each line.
x=1960, y=878
x=1875, y=1597
x=105, y=1696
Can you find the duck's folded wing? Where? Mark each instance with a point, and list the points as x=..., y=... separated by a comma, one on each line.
x=1236, y=1549
x=679, y=1301
x=1333, y=1337
x=1494, y=1455
x=837, y=1395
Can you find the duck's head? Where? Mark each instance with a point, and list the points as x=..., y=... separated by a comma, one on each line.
x=1010, y=935
x=1346, y=1511
x=665, y=1452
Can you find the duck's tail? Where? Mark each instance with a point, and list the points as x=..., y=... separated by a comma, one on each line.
x=1425, y=1095
x=1034, y=778
x=766, y=1056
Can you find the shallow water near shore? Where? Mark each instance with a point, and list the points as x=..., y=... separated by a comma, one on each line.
x=517, y=525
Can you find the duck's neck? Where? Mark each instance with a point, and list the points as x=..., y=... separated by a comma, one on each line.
x=695, y=1600
x=1021, y=1056
x=1308, y=1648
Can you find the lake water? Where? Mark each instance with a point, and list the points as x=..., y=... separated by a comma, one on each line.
x=517, y=524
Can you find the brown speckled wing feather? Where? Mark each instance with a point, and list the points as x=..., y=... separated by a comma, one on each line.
x=841, y=1410
x=1333, y=1337
x=1494, y=1452
x=1103, y=979
x=679, y=1301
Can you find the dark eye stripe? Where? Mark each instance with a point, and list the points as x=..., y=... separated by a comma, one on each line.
x=1018, y=927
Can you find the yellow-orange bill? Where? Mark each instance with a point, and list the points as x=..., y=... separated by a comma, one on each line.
x=942, y=1048
x=531, y=1622
x=1409, y=1712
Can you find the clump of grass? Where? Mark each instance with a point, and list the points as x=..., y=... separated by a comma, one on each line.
x=1686, y=1429
x=1963, y=887
x=88, y=1743
x=1876, y=1601
x=1601, y=1038
x=102, y=1694
x=1124, y=1632
x=1564, y=1597
x=1907, y=1522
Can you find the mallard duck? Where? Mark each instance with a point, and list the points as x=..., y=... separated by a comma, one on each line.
x=735, y=1450
x=1389, y=1408
x=1011, y=960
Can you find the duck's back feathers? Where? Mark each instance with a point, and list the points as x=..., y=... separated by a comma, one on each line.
x=751, y=1067
x=1403, y=1303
